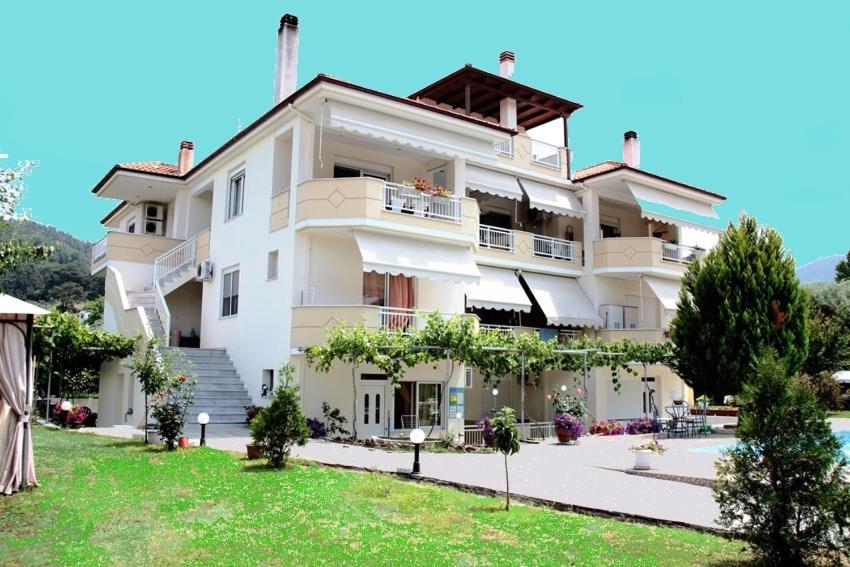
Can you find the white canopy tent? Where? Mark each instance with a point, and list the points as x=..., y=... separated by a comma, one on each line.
x=17, y=470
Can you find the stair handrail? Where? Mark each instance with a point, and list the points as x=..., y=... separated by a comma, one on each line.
x=175, y=259
x=162, y=310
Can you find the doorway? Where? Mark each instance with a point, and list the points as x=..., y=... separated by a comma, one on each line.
x=418, y=404
x=373, y=401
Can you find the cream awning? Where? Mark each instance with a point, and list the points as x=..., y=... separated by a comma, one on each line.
x=562, y=300
x=545, y=197
x=492, y=182
x=498, y=289
x=667, y=291
x=397, y=255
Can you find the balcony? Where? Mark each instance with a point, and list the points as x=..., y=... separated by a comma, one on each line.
x=515, y=245
x=641, y=255
x=310, y=323
x=367, y=201
x=635, y=335
x=522, y=151
x=127, y=247
x=563, y=336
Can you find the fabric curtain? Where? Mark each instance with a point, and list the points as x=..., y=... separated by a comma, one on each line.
x=13, y=391
x=400, y=297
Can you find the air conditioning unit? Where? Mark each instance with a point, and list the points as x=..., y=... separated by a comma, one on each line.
x=154, y=227
x=205, y=271
x=154, y=212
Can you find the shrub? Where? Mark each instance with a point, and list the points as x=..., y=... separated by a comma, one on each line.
x=488, y=433
x=608, y=427
x=317, y=428
x=334, y=421
x=781, y=487
x=565, y=403
x=251, y=412
x=568, y=422
x=77, y=417
x=169, y=409
x=643, y=425
x=281, y=425
x=825, y=389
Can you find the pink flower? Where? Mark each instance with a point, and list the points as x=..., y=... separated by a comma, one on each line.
x=182, y=378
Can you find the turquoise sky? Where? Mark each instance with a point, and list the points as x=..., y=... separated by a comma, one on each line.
x=748, y=99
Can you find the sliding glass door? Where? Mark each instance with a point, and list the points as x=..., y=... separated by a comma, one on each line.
x=418, y=404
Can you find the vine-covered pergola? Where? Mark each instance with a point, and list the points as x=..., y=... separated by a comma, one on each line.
x=456, y=340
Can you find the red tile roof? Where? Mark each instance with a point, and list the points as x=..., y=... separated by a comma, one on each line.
x=603, y=167
x=610, y=165
x=157, y=167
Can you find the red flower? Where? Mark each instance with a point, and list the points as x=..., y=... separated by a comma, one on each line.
x=182, y=378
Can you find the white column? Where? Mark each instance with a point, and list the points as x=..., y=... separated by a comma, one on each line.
x=460, y=177
x=590, y=202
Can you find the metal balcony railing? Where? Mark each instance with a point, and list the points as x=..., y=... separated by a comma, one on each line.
x=506, y=148
x=616, y=317
x=407, y=200
x=679, y=253
x=175, y=259
x=555, y=248
x=496, y=238
x=545, y=154
x=98, y=249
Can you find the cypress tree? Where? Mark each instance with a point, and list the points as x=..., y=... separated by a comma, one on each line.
x=742, y=298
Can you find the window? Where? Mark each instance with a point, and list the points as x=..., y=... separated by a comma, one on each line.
x=366, y=170
x=268, y=382
x=230, y=293
x=271, y=270
x=131, y=227
x=468, y=382
x=374, y=288
x=235, y=195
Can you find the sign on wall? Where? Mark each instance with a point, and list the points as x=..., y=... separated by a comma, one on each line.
x=456, y=403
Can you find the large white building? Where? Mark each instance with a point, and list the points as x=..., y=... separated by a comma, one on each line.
x=310, y=216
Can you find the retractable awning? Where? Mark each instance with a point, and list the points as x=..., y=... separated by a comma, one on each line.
x=673, y=209
x=492, y=182
x=550, y=198
x=667, y=291
x=498, y=289
x=562, y=300
x=397, y=255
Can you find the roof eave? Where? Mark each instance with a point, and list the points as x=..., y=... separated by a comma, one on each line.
x=626, y=168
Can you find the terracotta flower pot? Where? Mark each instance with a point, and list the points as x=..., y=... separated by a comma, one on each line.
x=254, y=451
x=183, y=442
x=564, y=435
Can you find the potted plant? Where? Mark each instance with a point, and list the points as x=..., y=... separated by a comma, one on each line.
x=567, y=427
x=643, y=452
x=421, y=184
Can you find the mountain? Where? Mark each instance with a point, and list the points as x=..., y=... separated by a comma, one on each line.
x=820, y=270
x=64, y=278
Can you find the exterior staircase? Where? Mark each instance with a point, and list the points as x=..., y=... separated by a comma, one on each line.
x=145, y=300
x=220, y=391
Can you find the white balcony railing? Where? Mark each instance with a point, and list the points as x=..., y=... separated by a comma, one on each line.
x=399, y=318
x=615, y=317
x=496, y=238
x=175, y=259
x=506, y=148
x=555, y=248
x=98, y=249
x=680, y=253
x=407, y=200
x=504, y=330
x=567, y=335
x=545, y=154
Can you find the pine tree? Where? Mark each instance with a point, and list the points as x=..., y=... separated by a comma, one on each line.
x=741, y=298
x=781, y=487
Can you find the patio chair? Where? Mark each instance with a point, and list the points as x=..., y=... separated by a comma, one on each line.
x=679, y=421
x=408, y=421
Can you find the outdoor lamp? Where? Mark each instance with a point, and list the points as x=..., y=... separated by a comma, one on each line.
x=417, y=437
x=65, y=406
x=495, y=392
x=203, y=419
x=563, y=387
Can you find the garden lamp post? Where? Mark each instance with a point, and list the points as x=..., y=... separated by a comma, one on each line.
x=417, y=437
x=65, y=406
x=203, y=419
x=495, y=393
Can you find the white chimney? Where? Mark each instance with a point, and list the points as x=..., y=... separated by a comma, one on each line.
x=286, y=66
x=631, y=149
x=185, y=157
x=507, y=62
x=507, y=106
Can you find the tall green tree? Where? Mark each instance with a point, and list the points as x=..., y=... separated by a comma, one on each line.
x=829, y=328
x=14, y=254
x=506, y=438
x=740, y=299
x=782, y=487
x=842, y=269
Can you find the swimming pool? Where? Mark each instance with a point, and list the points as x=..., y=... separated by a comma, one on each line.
x=843, y=436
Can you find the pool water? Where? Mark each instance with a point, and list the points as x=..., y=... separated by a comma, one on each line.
x=843, y=436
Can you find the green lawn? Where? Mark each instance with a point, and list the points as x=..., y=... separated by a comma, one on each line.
x=110, y=502
x=840, y=413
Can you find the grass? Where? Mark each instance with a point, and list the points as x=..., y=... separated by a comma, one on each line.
x=839, y=413
x=103, y=501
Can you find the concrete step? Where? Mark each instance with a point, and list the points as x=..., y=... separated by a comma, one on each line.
x=222, y=395
x=217, y=416
x=215, y=372
x=239, y=403
x=232, y=389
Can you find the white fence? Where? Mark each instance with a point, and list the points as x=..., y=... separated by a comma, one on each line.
x=555, y=248
x=473, y=436
x=680, y=253
x=175, y=259
x=496, y=238
x=504, y=330
x=506, y=148
x=546, y=154
x=407, y=200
